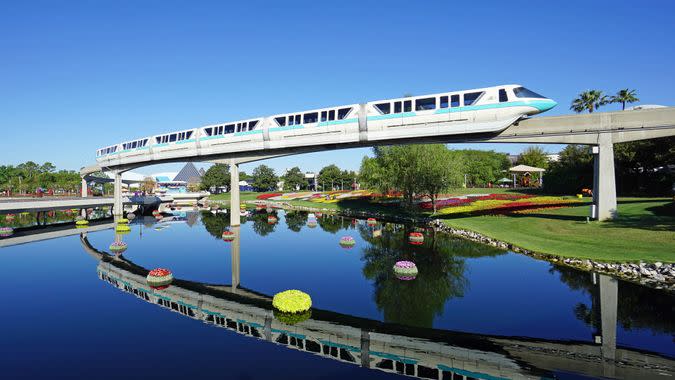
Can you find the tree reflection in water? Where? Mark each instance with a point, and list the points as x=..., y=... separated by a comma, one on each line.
x=215, y=224
x=639, y=307
x=441, y=263
x=260, y=224
x=295, y=220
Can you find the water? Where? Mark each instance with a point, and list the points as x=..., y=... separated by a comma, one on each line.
x=71, y=309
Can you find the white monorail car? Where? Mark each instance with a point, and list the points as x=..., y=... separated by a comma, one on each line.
x=490, y=109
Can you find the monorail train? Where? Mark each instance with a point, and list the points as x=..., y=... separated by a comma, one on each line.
x=490, y=109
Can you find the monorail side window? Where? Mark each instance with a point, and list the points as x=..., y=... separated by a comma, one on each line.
x=188, y=134
x=324, y=116
x=444, y=102
x=208, y=131
x=471, y=98
x=229, y=128
x=384, y=108
x=454, y=100
x=297, y=120
x=252, y=124
x=343, y=112
x=407, y=106
x=398, y=106
x=502, y=96
x=281, y=121
x=425, y=104
x=172, y=137
x=311, y=117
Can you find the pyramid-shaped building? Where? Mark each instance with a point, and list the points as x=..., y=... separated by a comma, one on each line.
x=189, y=174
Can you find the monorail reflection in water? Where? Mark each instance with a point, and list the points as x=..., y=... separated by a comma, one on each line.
x=397, y=347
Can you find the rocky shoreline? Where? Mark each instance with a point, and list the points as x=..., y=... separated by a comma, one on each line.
x=656, y=275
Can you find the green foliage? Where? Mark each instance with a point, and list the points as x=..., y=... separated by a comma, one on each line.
x=589, y=101
x=624, y=96
x=441, y=266
x=264, y=178
x=572, y=172
x=640, y=166
x=412, y=170
x=29, y=176
x=482, y=167
x=294, y=179
x=295, y=220
x=329, y=177
x=216, y=176
x=534, y=156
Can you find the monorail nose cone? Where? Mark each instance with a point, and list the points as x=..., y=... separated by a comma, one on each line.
x=547, y=105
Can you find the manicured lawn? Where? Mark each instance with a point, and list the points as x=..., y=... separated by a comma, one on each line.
x=243, y=196
x=645, y=230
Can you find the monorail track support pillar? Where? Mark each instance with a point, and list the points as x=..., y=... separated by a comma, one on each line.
x=604, y=182
x=235, y=217
x=85, y=188
x=117, y=195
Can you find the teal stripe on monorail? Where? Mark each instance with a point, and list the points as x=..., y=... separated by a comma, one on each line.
x=335, y=122
x=185, y=141
x=212, y=312
x=392, y=116
x=211, y=137
x=538, y=104
x=253, y=132
x=394, y=357
x=186, y=304
x=286, y=128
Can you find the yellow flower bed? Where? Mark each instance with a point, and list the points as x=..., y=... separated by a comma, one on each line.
x=292, y=301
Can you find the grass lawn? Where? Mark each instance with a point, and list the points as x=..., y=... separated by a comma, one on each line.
x=645, y=230
x=243, y=196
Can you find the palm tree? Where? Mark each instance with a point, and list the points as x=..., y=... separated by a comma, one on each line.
x=624, y=96
x=589, y=100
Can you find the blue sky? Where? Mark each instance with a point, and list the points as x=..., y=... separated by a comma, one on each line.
x=79, y=75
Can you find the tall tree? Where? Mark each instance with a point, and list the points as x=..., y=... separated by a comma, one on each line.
x=216, y=176
x=148, y=184
x=533, y=156
x=589, y=101
x=440, y=172
x=329, y=176
x=294, y=179
x=625, y=96
x=264, y=178
x=481, y=167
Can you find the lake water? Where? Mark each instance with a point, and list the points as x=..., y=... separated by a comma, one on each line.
x=74, y=309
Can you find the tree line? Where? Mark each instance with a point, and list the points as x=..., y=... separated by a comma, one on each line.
x=264, y=178
x=29, y=176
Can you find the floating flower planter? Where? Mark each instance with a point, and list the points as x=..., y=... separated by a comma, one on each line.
x=371, y=221
x=405, y=270
x=318, y=214
x=311, y=223
x=155, y=213
x=159, y=278
x=82, y=222
x=292, y=301
x=122, y=228
x=228, y=236
x=416, y=238
x=269, y=210
x=347, y=242
x=291, y=318
x=123, y=221
x=271, y=219
x=118, y=247
x=6, y=231
x=9, y=217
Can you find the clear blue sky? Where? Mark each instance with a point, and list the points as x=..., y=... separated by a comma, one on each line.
x=79, y=75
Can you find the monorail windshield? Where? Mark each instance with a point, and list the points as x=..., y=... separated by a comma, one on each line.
x=522, y=92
